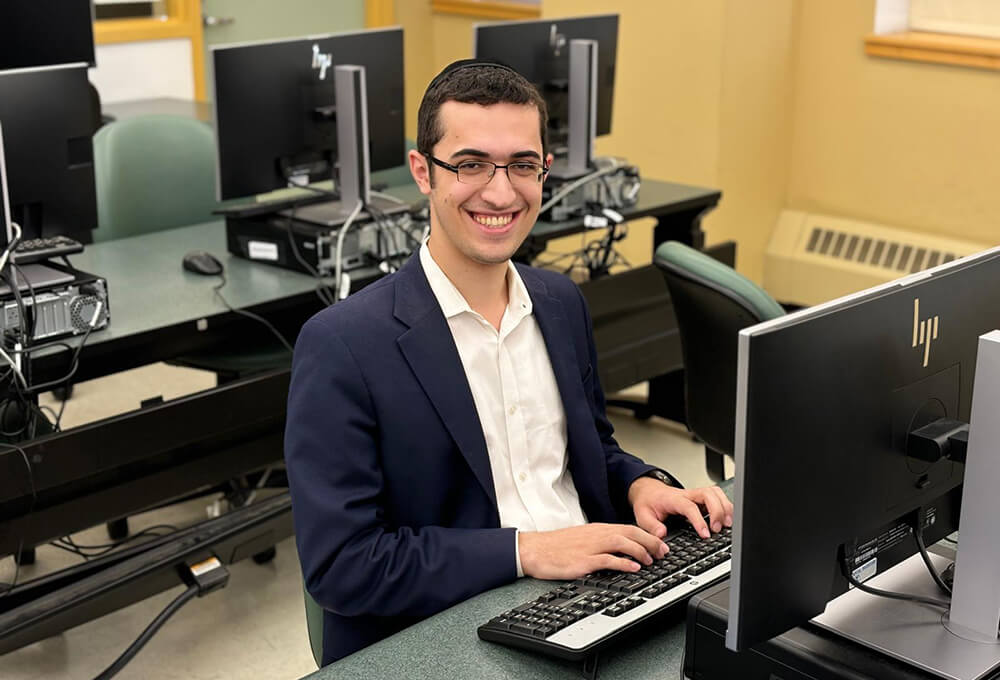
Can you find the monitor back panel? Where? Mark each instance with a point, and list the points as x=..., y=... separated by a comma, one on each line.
x=267, y=95
x=539, y=50
x=830, y=399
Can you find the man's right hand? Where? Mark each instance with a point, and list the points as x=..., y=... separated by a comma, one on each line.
x=576, y=551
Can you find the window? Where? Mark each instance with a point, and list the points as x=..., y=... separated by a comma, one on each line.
x=954, y=32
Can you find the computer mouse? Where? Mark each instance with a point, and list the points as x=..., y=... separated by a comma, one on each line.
x=203, y=263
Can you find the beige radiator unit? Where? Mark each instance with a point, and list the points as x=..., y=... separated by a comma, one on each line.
x=814, y=258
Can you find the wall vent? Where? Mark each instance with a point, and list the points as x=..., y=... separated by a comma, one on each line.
x=814, y=258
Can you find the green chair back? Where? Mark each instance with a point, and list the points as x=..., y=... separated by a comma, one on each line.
x=153, y=172
x=314, y=625
x=710, y=272
x=711, y=302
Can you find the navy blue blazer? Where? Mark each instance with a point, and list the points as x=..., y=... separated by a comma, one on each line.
x=395, y=511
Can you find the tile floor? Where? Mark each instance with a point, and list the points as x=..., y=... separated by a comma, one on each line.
x=255, y=627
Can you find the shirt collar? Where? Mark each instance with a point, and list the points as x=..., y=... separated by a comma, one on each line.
x=452, y=302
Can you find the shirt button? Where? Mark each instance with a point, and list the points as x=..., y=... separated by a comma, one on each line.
x=522, y=477
x=512, y=409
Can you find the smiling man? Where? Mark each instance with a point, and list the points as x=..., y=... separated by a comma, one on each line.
x=446, y=429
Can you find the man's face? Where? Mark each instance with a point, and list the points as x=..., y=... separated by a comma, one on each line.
x=481, y=224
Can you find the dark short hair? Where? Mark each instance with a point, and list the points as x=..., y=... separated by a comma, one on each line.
x=475, y=82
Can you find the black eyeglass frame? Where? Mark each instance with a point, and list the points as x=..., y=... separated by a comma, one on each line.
x=544, y=169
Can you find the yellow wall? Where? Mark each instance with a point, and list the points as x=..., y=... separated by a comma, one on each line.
x=903, y=143
x=776, y=104
x=418, y=54
x=431, y=42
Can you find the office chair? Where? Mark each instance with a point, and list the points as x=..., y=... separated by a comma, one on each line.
x=712, y=302
x=153, y=172
x=314, y=626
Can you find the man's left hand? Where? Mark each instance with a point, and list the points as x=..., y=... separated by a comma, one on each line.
x=653, y=501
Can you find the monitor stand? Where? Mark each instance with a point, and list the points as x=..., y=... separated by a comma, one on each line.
x=961, y=644
x=352, y=157
x=582, y=112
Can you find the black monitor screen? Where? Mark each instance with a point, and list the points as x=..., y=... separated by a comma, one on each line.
x=48, y=125
x=539, y=50
x=275, y=107
x=828, y=482
x=46, y=32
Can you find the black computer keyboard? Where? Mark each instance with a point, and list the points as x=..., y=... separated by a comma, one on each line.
x=38, y=249
x=574, y=620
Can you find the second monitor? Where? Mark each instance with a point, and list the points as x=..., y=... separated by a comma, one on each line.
x=276, y=108
x=577, y=93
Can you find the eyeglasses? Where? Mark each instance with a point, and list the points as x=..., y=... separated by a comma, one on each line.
x=481, y=172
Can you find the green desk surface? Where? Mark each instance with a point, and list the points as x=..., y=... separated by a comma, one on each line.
x=149, y=290
x=446, y=646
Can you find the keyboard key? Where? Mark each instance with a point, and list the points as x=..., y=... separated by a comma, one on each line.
x=500, y=622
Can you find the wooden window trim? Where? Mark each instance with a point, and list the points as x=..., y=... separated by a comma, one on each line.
x=178, y=23
x=937, y=48
x=487, y=9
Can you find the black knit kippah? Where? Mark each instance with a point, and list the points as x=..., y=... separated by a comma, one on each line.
x=462, y=64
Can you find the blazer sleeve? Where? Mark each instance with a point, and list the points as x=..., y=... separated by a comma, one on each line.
x=623, y=468
x=352, y=562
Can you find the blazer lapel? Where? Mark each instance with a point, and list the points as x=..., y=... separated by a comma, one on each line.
x=429, y=348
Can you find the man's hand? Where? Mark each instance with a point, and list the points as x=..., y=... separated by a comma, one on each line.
x=653, y=501
x=571, y=553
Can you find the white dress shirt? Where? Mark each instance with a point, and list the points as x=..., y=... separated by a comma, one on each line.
x=519, y=406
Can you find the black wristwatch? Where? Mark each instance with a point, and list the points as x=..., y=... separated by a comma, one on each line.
x=660, y=475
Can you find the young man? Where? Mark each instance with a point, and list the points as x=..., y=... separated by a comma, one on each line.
x=446, y=428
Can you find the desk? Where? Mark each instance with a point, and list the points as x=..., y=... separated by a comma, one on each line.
x=156, y=306
x=446, y=646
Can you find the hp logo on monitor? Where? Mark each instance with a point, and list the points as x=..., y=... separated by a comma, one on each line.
x=321, y=62
x=924, y=331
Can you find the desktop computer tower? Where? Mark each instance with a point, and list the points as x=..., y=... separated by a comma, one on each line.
x=281, y=241
x=63, y=306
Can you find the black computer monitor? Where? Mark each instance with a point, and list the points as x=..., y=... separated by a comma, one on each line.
x=46, y=33
x=275, y=108
x=539, y=50
x=828, y=480
x=48, y=127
